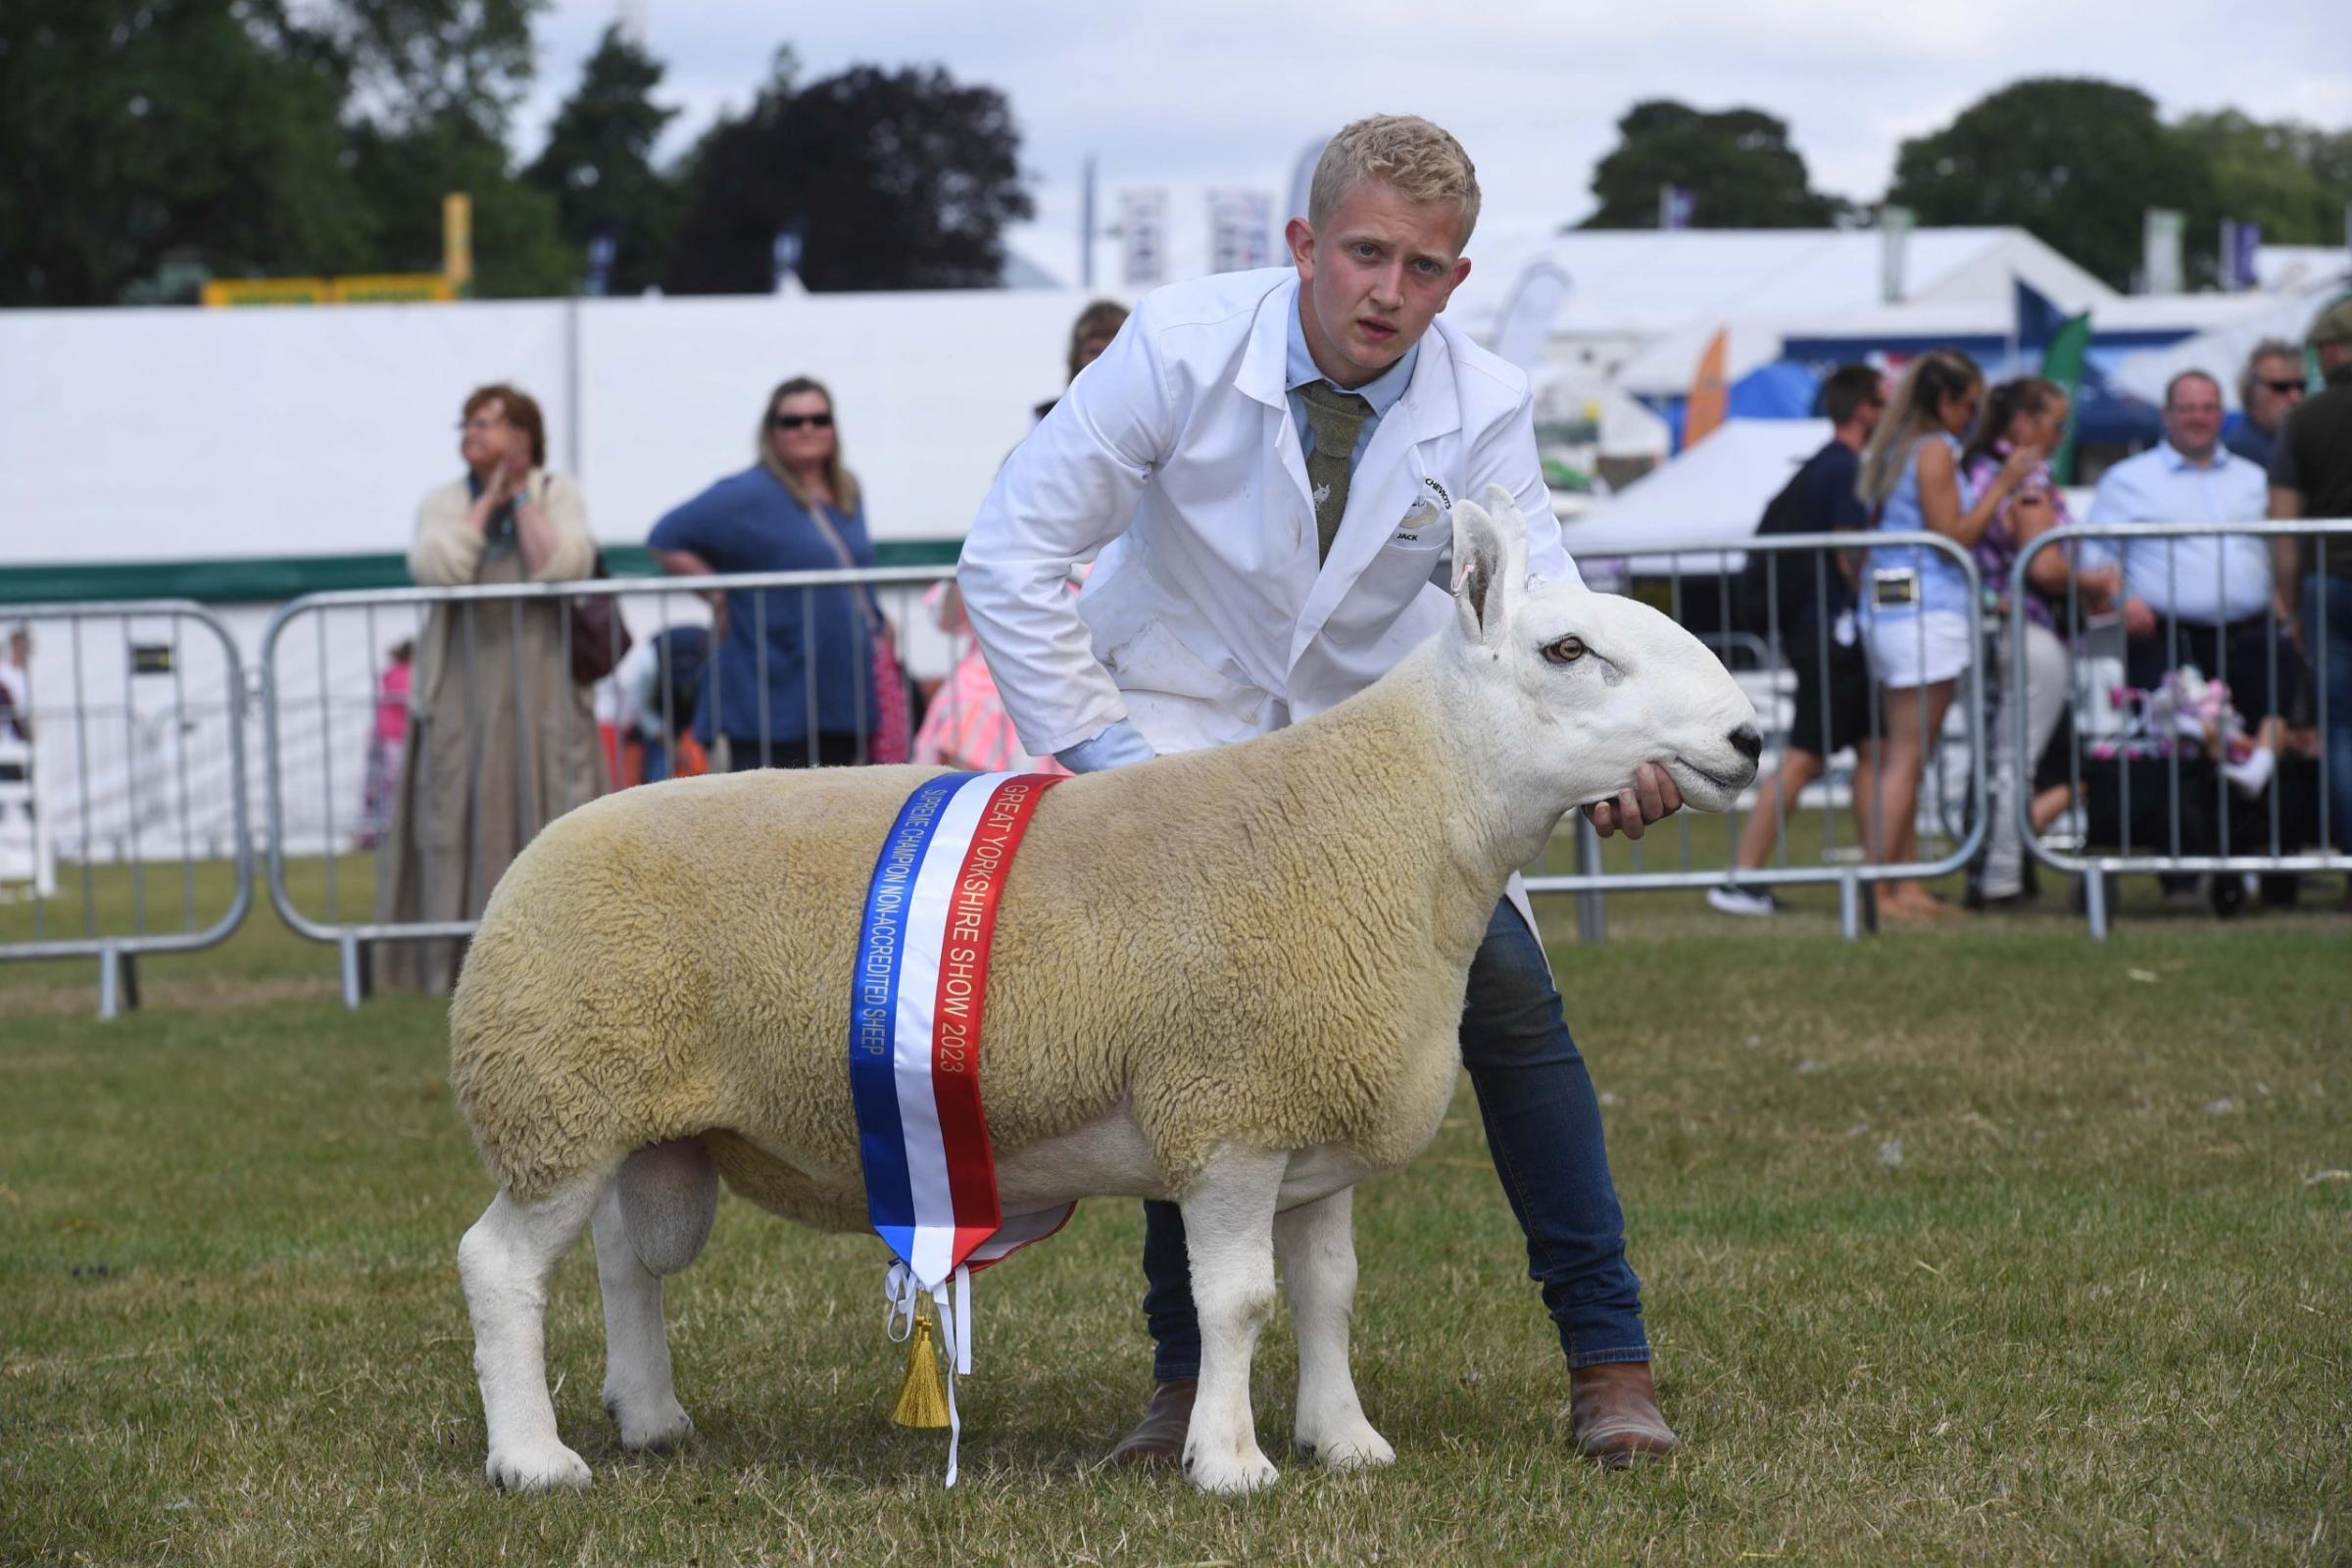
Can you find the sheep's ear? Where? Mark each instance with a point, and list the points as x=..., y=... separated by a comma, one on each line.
x=1481, y=571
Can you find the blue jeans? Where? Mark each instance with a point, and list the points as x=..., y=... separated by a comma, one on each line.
x=1544, y=1131
x=2328, y=611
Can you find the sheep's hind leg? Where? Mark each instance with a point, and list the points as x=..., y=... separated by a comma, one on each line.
x=1316, y=1243
x=632, y=1236
x=1228, y=1228
x=505, y=1262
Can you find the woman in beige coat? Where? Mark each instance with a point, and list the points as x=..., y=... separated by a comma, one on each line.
x=502, y=740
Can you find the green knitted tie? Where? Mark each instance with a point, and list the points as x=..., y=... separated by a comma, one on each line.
x=1337, y=418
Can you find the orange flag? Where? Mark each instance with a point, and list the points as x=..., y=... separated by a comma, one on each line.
x=1709, y=395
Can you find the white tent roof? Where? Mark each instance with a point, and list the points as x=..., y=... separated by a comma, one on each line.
x=1712, y=493
x=1646, y=281
x=2222, y=351
x=1665, y=368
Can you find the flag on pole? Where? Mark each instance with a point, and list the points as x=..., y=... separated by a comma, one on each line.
x=2065, y=364
x=1709, y=393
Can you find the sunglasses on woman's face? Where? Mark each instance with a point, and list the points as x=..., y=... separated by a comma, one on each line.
x=792, y=421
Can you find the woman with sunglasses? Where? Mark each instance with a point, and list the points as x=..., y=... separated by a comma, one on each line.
x=802, y=677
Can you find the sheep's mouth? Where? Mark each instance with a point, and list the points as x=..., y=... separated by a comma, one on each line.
x=1729, y=784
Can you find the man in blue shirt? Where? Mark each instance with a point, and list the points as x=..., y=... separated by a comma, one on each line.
x=2195, y=600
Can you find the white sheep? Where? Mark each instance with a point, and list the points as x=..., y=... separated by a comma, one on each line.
x=1232, y=978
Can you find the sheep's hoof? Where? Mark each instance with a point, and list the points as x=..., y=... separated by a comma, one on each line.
x=1347, y=1447
x=645, y=1427
x=1230, y=1475
x=537, y=1467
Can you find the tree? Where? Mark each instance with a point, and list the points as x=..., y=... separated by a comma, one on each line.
x=411, y=63
x=598, y=164
x=518, y=250
x=2292, y=178
x=1735, y=163
x=151, y=143
x=134, y=133
x=898, y=179
x=2076, y=162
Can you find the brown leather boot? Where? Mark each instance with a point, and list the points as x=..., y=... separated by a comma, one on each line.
x=1613, y=1411
x=1157, y=1440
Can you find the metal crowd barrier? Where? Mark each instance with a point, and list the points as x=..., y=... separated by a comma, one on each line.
x=320, y=663
x=125, y=771
x=1953, y=792
x=2138, y=744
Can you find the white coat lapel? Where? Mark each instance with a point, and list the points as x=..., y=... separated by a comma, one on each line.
x=1265, y=375
x=1386, y=485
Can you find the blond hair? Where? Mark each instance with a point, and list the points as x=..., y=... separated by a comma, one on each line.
x=838, y=477
x=1418, y=159
x=1912, y=413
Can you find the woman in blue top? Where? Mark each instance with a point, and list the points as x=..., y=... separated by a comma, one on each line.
x=795, y=509
x=1915, y=600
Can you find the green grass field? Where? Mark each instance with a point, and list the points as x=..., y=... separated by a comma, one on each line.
x=1976, y=1244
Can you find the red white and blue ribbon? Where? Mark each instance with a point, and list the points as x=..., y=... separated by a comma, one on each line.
x=920, y=988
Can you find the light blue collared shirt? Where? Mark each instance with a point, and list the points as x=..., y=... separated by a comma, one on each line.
x=1382, y=391
x=2210, y=580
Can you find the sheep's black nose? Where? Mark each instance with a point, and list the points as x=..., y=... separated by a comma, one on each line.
x=1747, y=743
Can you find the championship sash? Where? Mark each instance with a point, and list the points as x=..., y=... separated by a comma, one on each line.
x=920, y=985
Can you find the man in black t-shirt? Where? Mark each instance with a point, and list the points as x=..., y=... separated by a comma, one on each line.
x=1813, y=605
x=2311, y=476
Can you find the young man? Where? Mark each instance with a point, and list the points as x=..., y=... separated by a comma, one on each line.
x=1815, y=614
x=1267, y=462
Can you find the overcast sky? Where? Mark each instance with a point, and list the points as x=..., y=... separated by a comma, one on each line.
x=1217, y=92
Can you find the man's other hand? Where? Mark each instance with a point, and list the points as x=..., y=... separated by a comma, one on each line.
x=1652, y=796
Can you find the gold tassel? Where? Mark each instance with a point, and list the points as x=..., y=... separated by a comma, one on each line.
x=922, y=1398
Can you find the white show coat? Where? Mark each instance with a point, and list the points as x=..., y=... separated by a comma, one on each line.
x=1207, y=618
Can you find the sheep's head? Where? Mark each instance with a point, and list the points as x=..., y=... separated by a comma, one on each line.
x=1578, y=689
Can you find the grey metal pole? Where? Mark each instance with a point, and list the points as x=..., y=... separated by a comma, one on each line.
x=1592, y=911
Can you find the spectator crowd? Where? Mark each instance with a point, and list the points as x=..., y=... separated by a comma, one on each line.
x=2237, y=647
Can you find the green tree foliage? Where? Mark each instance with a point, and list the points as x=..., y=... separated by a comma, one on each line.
x=2076, y=162
x=519, y=253
x=1735, y=163
x=2293, y=180
x=413, y=63
x=174, y=139
x=901, y=180
x=433, y=86
x=135, y=133
x=598, y=164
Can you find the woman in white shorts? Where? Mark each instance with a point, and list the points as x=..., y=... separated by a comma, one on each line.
x=1915, y=599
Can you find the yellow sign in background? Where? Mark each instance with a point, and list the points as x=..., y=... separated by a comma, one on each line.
x=377, y=288
x=368, y=288
x=456, y=239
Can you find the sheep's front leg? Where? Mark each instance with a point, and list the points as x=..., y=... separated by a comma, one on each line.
x=1316, y=1243
x=638, y=1388
x=505, y=1262
x=1228, y=1231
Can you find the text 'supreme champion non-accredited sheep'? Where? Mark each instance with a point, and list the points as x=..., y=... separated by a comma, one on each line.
x=1232, y=978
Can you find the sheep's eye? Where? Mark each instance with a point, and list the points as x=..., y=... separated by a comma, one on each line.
x=1567, y=651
